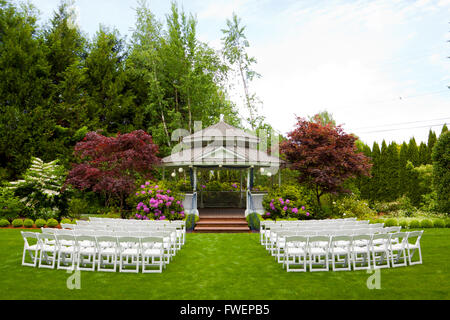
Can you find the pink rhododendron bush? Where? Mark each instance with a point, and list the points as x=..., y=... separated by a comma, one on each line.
x=155, y=202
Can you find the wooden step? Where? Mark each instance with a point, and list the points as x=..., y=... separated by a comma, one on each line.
x=221, y=229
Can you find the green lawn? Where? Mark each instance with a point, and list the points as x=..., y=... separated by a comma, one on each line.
x=228, y=266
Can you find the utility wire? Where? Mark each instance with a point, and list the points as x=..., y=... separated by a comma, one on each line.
x=398, y=129
x=398, y=124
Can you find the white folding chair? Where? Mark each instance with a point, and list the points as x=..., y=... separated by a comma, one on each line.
x=31, y=248
x=49, y=250
x=413, y=243
x=296, y=247
x=86, y=252
x=129, y=253
x=397, y=249
x=340, y=249
x=361, y=245
x=108, y=250
x=318, y=250
x=66, y=251
x=152, y=252
x=380, y=250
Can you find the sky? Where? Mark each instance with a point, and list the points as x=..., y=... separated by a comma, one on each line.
x=380, y=67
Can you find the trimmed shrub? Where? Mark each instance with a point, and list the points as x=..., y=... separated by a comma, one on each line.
x=40, y=223
x=253, y=220
x=414, y=224
x=426, y=223
x=439, y=223
x=447, y=223
x=403, y=223
x=4, y=223
x=391, y=222
x=28, y=223
x=66, y=221
x=52, y=223
x=17, y=223
x=191, y=220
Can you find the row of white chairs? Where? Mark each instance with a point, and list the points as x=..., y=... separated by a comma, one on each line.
x=178, y=233
x=271, y=238
x=360, y=252
x=318, y=225
x=150, y=253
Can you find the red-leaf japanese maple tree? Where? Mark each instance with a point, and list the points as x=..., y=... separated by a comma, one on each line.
x=324, y=155
x=109, y=165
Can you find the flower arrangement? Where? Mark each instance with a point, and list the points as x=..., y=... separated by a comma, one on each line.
x=286, y=208
x=157, y=203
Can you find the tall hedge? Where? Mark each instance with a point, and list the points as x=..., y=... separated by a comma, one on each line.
x=441, y=171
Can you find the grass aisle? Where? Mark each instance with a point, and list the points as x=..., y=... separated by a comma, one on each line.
x=228, y=266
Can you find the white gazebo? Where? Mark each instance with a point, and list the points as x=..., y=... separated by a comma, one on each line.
x=222, y=146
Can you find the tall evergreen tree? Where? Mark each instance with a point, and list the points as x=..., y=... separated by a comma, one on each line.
x=413, y=152
x=444, y=129
x=423, y=153
x=24, y=121
x=110, y=102
x=376, y=174
x=402, y=175
x=431, y=142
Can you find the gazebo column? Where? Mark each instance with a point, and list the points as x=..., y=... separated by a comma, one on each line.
x=194, y=198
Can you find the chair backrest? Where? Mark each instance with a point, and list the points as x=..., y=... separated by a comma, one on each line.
x=299, y=240
x=45, y=237
x=150, y=239
x=30, y=235
x=66, y=237
x=382, y=236
x=399, y=237
x=414, y=237
x=67, y=226
x=318, y=240
x=363, y=239
x=49, y=230
x=90, y=238
x=65, y=231
x=129, y=242
x=109, y=240
x=341, y=241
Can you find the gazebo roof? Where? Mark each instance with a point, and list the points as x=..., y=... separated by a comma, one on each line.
x=221, y=145
x=221, y=130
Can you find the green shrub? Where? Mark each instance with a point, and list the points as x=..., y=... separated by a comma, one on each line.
x=403, y=223
x=391, y=222
x=77, y=207
x=17, y=223
x=66, y=221
x=439, y=223
x=52, y=223
x=350, y=207
x=40, y=223
x=447, y=223
x=28, y=223
x=191, y=220
x=4, y=223
x=10, y=205
x=426, y=223
x=253, y=220
x=47, y=213
x=414, y=224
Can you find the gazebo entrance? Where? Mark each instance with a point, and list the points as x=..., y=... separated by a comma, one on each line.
x=219, y=147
